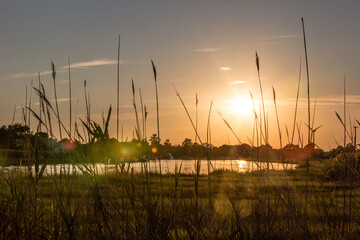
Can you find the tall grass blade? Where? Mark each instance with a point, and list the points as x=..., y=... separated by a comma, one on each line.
x=70, y=106
x=118, y=91
x=143, y=115
x=277, y=117
x=228, y=125
x=343, y=124
x=39, y=99
x=53, y=74
x=262, y=96
x=196, y=117
x=345, y=110
x=296, y=105
x=308, y=95
x=30, y=98
x=145, y=118
x=157, y=99
x=307, y=76
x=137, y=129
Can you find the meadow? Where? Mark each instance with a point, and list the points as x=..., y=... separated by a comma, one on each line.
x=317, y=200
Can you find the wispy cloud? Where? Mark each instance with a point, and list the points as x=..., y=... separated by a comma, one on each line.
x=92, y=63
x=24, y=75
x=272, y=40
x=224, y=69
x=77, y=65
x=236, y=82
x=276, y=37
x=205, y=50
x=334, y=100
x=53, y=100
x=61, y=100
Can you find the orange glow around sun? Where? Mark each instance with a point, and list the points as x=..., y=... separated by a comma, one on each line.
x=242, y=106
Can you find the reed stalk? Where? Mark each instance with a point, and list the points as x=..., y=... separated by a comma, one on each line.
x=262, y=96
x=345, y=110
x=228, y=125
x=157, y=99
x=145, y=118
x=70, y=105
x=196, y=113
x=308, y=95
x=53, y=74
x=142, y=116
x=313, y=120
x=343, y=124
x=277, y=118
x=26, y=103
x=287, y=133
x=193, y=125
x=87, y=108
x=39, y=81
x=307, y=76
x=137, y=129
x=296, y=105
x=118, y=92
x=44, y=107
x=208, y=137
x=30, y=98
x=158, y=128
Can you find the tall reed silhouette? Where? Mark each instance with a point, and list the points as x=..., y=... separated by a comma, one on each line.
x=53, y=74
x=118, y=92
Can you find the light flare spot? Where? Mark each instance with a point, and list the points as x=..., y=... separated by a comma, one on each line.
x=154, y=150
x=69, y=146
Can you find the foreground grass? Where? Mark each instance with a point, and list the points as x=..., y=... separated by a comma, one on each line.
x=125, y=205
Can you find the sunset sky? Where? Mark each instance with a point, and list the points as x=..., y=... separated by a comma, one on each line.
x=204, y=47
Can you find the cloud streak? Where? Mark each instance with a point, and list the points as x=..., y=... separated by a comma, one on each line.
x=53, y=100
x=272, y=40
x=77, y=65
x=205, y=50
x=24, y=75
x=236, y=82
x=92, y=63
x=224, y=69
x=277, y=37
x=335, y=100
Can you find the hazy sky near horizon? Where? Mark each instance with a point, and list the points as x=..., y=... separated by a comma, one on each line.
x=205, y=47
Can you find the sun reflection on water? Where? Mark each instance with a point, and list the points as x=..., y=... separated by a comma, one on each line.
x=242, y=165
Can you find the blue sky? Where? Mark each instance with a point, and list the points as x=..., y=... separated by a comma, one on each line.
x=200, y=46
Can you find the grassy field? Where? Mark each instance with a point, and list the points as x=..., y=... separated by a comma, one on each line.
x=228, y=205
x=318, y=200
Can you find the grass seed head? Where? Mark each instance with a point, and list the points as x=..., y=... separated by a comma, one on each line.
x=53, y=71
x=154, y=69
x=257, y=61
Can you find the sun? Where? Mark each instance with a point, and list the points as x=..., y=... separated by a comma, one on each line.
x=242, y=106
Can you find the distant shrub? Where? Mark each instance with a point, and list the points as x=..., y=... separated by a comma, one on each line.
x=345, y=166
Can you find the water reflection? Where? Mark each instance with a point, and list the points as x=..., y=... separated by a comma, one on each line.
x=167, y=167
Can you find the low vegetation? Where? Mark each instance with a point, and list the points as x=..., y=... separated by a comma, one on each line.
x=317, y=200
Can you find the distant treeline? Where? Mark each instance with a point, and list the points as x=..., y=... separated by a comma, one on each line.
x=14, y=140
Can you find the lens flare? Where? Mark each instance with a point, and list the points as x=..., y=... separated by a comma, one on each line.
x=154, y=150
x=69, y=146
